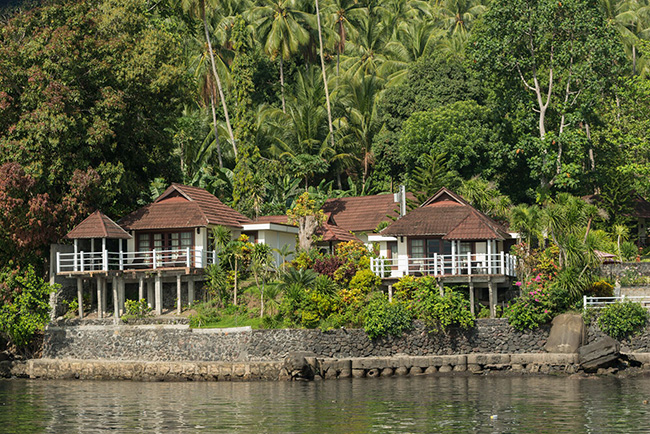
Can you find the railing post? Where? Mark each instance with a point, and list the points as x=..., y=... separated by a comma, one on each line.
x=372, y=265
x=81, y=258
x=435, y=264
x=105, y=259
x=187, y=257
x=58, y=263
x=469, y=263
x=584, y=303
x=214, y=256
x=383, y=267
x=153, y=257
x=502, y=263
x=75, y=260
x=121, y=259
x=453, y=264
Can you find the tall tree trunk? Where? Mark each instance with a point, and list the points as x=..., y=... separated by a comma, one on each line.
x=216, y=133
x=217, y=79
x=284, y=109
x=235, y=297
x=322, y=65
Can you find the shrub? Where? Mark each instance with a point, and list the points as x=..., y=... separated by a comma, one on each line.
x=206, y=313
x=137, y=308
x=623, y=319
x=380, y=317
x=407, y=286
x=442, y=312
x=363, y=282
x=531, y=309
x=26, y=310
x=327, y=265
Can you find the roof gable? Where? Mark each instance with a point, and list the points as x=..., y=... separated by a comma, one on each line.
x=448, y=215
x=97, y=225
x=183, y=206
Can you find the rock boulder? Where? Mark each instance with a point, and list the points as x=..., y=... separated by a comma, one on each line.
x=298, y=365
x=600, y=354
x=568, y=333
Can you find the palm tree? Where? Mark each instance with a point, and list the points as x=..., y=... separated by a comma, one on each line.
x=198, y=8
x=526, y=220
x=632, y=20
x=344, y=14
x=262, y=267
x=322, y=64
x=282, y=25
x=359, y=100
x=458, y=15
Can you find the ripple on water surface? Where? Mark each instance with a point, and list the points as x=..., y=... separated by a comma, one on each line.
x=387, y=405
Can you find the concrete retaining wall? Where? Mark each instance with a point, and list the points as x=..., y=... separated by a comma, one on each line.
x=324, y=368
x=179, y=342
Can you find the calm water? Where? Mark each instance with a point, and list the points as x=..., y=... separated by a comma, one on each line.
x=399, y=405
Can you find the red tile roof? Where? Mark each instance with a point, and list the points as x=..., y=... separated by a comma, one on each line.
x=331, y=232
x=183, y=206
x=362, y=213
x=449, y=216
x=97, y=225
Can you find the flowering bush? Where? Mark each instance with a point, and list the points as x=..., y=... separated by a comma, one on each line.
x=533, y=308
x=363, y=282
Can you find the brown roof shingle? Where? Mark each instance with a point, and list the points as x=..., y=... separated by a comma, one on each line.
x=449, y=216
x=331, y=232
x=183, y=206
x=362, y=213
x=97, y=225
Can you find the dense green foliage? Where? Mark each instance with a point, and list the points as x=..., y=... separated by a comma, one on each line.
x=620, y=320
x=25, y=309
x=383, y=318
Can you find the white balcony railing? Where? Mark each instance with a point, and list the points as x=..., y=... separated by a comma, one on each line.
x=600, y=302
x=445, y=265
x=149, y=259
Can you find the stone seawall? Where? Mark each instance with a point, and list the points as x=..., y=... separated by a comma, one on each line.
x=321, y=368
x=179, y=342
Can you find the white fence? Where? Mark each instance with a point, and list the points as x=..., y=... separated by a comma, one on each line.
x=600, y=302
x=150, y=259
x=441, y=265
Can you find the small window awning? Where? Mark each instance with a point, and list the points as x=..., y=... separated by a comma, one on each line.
x=97, y=225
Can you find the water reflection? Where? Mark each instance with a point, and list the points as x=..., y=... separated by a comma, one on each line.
x=400, y=405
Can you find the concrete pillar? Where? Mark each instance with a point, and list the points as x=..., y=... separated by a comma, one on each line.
x=190, y=291
x=100, y=312
x=390, y=293
x=441, y=287
x=121, y=288
x=150, y=294
x=178, y=295
x=116, y=298
x=492, y=291
x=141, y=288
x=158, y=290
x=104, y=292
x=471, y=296
x=80, y=296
